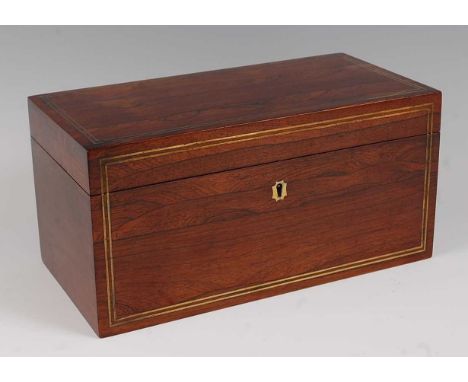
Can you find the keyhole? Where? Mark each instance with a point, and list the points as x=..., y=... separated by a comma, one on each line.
x=279, y=189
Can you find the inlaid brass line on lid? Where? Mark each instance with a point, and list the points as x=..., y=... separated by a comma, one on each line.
x=107, y=225
x=280, y=131
x=413, y=87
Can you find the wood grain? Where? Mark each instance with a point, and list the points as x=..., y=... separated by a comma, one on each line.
x=171, y=105
x=81, y=127
x=67, y=152
x=155, y=202
x=184, y=242
x=220, y=154
x=64, y=217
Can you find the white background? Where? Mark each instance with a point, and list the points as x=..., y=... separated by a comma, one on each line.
x=417, y=309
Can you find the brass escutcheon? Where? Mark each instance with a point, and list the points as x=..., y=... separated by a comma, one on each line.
x=279, y=190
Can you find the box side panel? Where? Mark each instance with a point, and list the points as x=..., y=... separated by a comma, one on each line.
x=431, y=203
x=64, y=217
x=65, y=150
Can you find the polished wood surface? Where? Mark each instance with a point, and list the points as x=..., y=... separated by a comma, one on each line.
x=179, y=251
x=81, y=127
x=172, y=105
x=67, y=152
x=64, y=217
x=210, y=235
x=259, y=147
x=163, y=187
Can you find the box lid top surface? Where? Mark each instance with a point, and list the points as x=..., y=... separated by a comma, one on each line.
x=141, y=110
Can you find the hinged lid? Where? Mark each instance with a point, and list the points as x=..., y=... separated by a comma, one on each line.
x=220, y=113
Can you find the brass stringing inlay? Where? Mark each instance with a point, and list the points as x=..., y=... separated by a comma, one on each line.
x=413, y=87
x=106, y=162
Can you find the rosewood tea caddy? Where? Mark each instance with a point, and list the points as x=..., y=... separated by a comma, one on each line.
x=165, y=198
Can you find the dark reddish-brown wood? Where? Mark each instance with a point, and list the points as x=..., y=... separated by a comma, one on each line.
x=163, y=187
x=64, y=215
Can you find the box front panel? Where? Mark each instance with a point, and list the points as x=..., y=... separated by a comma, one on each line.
x=182, y=247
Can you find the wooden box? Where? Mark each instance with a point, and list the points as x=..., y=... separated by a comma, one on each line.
x=165, y=198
